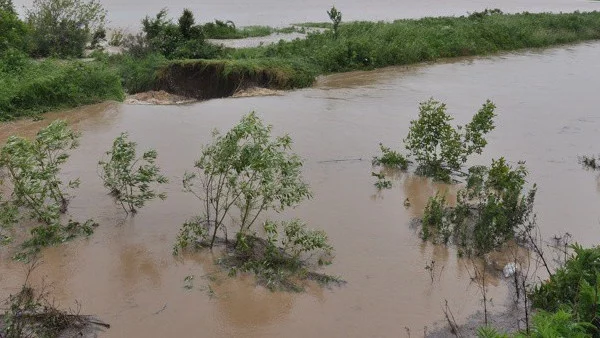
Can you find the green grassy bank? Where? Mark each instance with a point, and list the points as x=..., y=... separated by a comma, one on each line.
x=295, y=64
x=35, y=87
x=367, y=45
x=370, y=45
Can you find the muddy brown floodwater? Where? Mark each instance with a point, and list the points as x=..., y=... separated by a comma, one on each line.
x=125, y=273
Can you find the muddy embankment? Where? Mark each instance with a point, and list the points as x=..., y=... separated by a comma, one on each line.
x=204, y=80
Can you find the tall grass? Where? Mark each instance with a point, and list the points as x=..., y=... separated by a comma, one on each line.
x=367, y=45
x=228, y=30
x=138, y=75
x=37, y=87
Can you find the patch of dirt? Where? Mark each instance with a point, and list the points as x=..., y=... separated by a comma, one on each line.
x=257, y=91
x=160, y=97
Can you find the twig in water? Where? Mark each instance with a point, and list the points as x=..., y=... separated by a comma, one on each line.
x=451, y=320
x=341, y=160
x=161, y=310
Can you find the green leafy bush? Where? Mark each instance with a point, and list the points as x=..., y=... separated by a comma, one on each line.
x=184, y=40
x=435, y=222
x=129, y=178
x=281, y=257
x=439, y=148
x=575, y=286
x=336, y=18
x=241, y=175
x=227, y=30
x=64, y=27
x=492, y=209
x=14, y=34
x=139, y=74
x=33, y=169
x=390, y=158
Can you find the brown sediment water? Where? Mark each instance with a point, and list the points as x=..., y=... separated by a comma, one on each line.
x=125, y=273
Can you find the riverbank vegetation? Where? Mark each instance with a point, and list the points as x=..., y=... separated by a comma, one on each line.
x=31, y=87
x=568, y=303
x=28, y=87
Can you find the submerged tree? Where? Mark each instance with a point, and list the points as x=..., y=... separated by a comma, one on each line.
x=131, y=179
x=33, y=168
x=239, y=177
x=441, y=149
x=492, y=209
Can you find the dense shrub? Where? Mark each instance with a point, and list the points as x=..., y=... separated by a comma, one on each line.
x=64, y=27
x=13, y=31
x=575, y=286
x=492, y=209
x=184, y=40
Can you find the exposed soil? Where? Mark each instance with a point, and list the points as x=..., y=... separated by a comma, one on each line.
x=160, y=97
x=257, y=91
x=204, y=80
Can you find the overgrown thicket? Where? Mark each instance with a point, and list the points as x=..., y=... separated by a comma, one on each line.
x=182, y=40
x=64, y=28
x=57, y=28
x=13, y=31
x=33, y=169
x=239, y=178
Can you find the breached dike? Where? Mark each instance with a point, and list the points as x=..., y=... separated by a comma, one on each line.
x=210, y=79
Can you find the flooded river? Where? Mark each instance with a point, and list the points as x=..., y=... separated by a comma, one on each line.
x=128, y=14
x=125, y=273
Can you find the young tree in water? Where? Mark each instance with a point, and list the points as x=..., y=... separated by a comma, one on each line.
x=239, y=176
x=441, y=149
x=131, y=179
x=33, y=168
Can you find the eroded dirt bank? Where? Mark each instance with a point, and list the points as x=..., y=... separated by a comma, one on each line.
x=205, y=79
x=126, y=275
